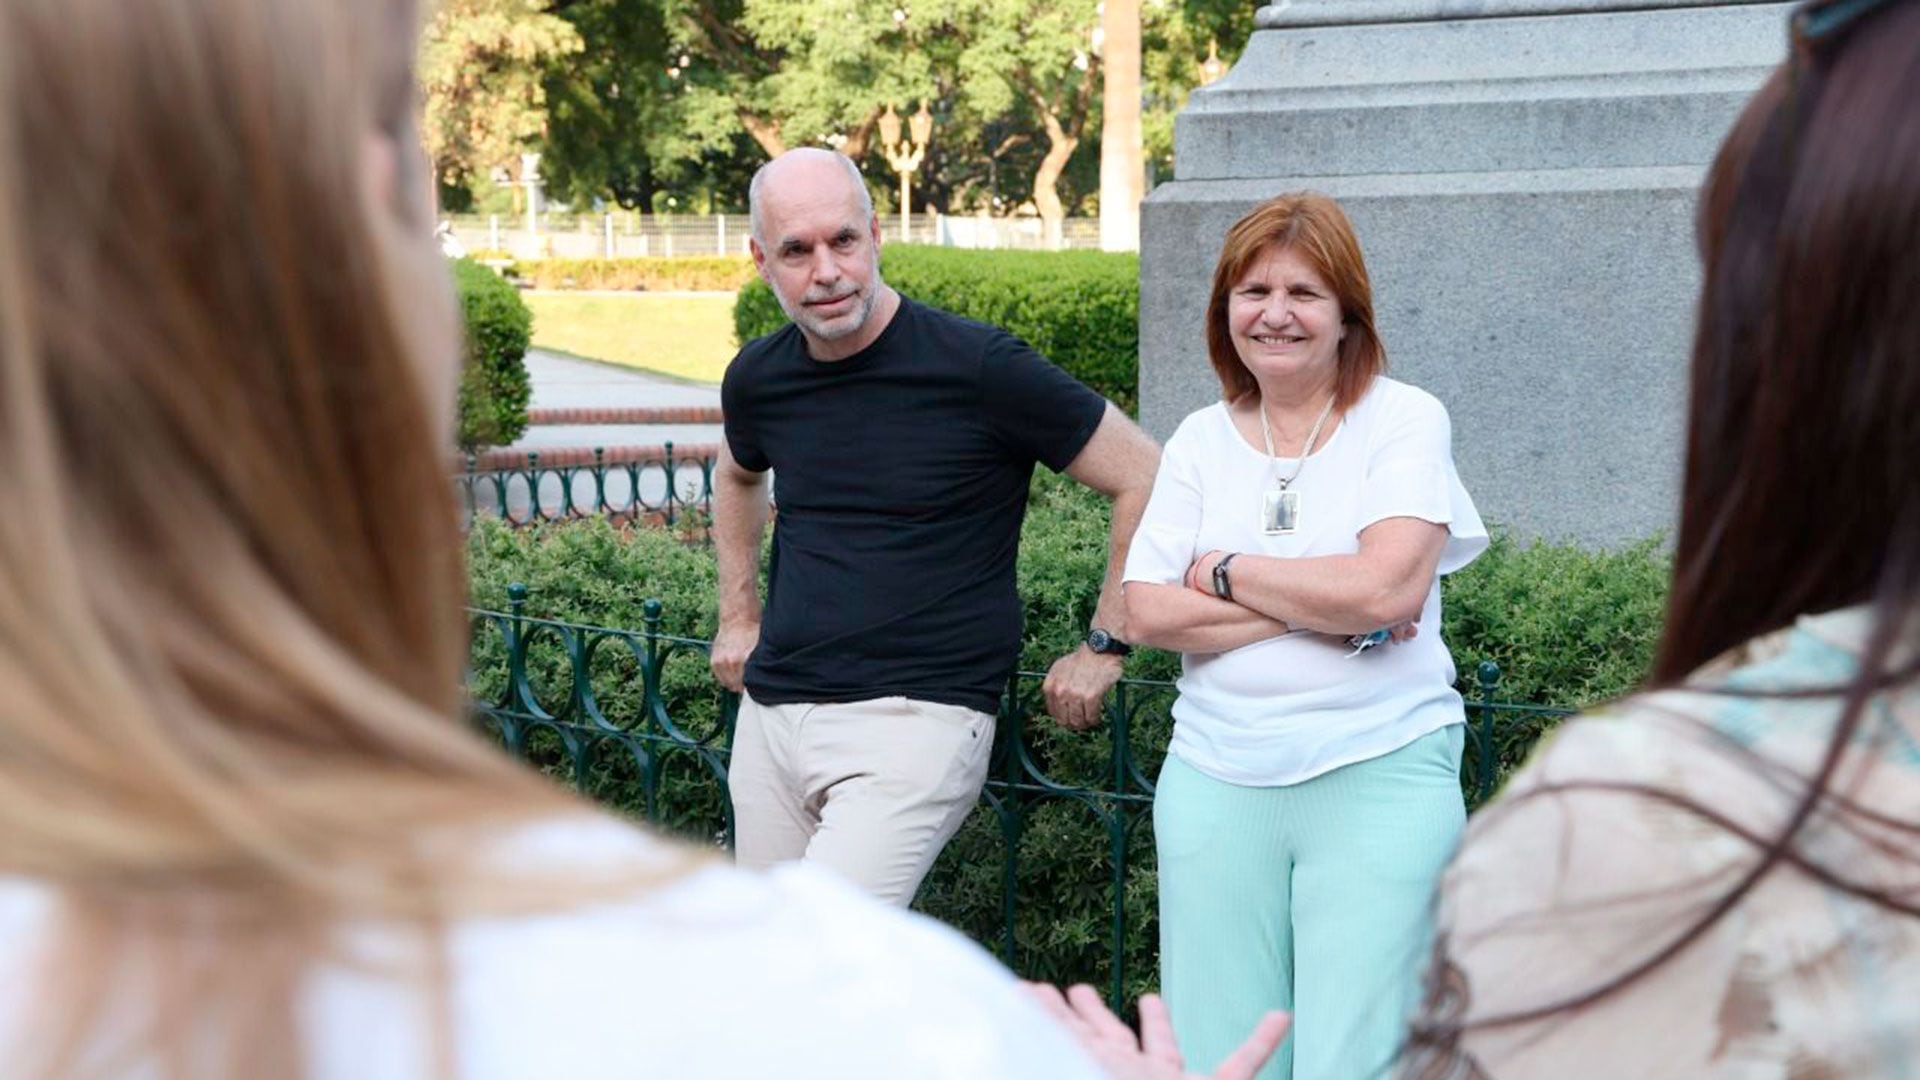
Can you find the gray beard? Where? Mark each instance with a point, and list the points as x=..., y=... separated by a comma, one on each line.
x=812, y=326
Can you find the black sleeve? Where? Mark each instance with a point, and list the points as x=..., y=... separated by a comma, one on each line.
x=736, y=416
x=1034, y=406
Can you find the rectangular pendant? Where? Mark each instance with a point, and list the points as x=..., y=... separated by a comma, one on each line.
x=1280, y=513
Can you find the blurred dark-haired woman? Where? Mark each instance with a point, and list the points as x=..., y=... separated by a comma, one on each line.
x=1721, y=877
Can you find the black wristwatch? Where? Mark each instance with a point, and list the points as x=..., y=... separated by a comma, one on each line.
x=1222, y=585
x=1102, y=642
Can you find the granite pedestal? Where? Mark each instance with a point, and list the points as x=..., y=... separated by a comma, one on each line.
x=1522, y=175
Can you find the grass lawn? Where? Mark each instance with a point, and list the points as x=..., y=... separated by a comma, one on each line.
x=689, y=335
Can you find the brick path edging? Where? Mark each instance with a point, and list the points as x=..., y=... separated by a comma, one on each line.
x=685, y=414
x=569, y=457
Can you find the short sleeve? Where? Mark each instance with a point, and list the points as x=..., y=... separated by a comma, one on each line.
x=1166, y=540
x=737, y=417
x=1410, y=473
x=1034, y=406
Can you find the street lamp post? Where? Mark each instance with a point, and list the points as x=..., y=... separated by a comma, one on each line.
x=905, y=155
x=530, y=176
x=1212, y=67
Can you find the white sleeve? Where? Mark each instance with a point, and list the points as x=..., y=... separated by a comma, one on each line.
x=720, y=972
x=1410, y=473
x=910, y=996
x=1166, y=542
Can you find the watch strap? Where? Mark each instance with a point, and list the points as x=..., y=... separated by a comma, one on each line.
x=1104, y=643
x=1222, y=584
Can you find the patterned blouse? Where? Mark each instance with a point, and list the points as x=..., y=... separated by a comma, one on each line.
x=1632, y=823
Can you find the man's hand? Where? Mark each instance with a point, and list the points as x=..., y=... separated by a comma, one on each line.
x=732, y=644
x=1154, y=1055
x=1076, y=685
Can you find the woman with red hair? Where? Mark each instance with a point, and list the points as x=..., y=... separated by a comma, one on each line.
x=1312, y=792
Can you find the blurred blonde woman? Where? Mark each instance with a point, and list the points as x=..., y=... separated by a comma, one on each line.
x=245, y=832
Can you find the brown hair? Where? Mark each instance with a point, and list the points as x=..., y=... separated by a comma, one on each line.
x=1800, y=492
x=231, y=637
x=1314, y=226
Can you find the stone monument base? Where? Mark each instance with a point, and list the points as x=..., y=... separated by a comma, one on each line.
x=1522, y=176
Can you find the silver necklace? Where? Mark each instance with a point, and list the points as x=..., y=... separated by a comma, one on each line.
x=1280, y=508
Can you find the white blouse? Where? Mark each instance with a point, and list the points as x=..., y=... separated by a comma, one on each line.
x=1290, y=708
x=721, y=973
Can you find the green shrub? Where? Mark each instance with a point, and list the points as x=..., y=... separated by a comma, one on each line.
x=1079, y=309
x=723, y=273
x=592, y=571
x=494, y=387
x=1567, y=626
x=756, y=313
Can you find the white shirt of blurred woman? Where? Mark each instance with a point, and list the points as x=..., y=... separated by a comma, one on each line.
x=721, y=974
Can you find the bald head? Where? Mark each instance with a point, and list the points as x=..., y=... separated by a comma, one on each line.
x=817, y=244
x=806, y=174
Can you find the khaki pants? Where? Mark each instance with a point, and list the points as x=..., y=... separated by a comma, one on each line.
x=871, y=789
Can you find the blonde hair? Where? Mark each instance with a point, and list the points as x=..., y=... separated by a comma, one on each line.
x=231, y=641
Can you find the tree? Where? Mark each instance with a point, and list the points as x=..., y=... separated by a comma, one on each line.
x=483, y=65
x=800, y=72
x=722, y=82
x=631, y=100
x=1121, y=164
x=804, y=72
x=610, y=108
x=1040, y=55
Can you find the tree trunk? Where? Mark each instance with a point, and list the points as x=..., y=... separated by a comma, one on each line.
x=1063, y=136
x=856, y=145
x=765, y=132
x=1046, y=179
x=1122, y=152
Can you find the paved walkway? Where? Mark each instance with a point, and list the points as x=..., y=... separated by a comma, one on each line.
x=548, y=436
x=562, y=382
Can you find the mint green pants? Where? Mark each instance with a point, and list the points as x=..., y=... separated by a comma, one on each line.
x=1315, y=897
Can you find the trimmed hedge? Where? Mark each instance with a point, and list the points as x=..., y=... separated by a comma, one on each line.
x=724, y=273
x=1569, y=627
x=494, y=387
x=1079, y=309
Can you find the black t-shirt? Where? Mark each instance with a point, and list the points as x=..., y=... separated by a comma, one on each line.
x=900, y=477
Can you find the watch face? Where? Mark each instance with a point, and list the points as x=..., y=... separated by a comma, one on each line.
x=1099, y=641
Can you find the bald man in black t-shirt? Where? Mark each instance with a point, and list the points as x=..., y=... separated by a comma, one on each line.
x=904, y=439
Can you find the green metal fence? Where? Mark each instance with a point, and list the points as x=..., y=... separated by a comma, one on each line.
x=633, y=717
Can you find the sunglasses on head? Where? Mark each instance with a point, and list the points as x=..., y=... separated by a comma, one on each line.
x=1821, y=20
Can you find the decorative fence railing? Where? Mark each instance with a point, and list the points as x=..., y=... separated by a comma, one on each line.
x=1053, y=872
x=628, y=235
x=649, y=484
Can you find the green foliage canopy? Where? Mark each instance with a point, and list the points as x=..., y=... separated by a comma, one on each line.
x=482, y=68
x=632, y=99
